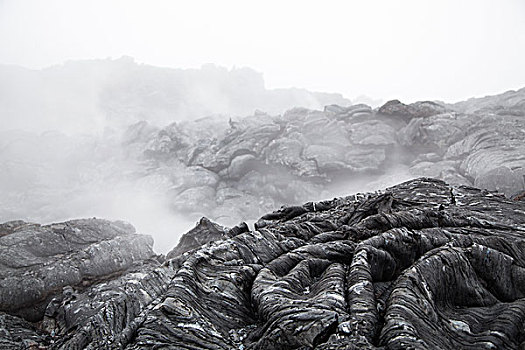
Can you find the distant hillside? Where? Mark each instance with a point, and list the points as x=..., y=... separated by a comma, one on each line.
x=508, y=103
x=93, y=94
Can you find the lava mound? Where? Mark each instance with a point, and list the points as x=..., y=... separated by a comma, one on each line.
x=421, y=265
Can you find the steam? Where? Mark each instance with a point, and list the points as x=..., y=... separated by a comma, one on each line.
x=71, y=147
x=86, y=97
x=54, y=177
x=63, y=151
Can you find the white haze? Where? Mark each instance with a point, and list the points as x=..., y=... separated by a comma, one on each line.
x=51, y=177
x=61, y=136
x=90, y=96
x=409, y=49
x=60, y=120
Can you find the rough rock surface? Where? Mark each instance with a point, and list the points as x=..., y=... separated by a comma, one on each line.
x=37, y=262
x=261, y=161
x=422, y=265
x=205, y=232
x=237, y=169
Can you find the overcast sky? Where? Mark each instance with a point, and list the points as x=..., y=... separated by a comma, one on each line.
x=412, y=50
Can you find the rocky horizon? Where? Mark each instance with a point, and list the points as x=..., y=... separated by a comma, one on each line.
x=232, y=169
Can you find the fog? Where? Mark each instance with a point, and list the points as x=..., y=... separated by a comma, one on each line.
x=50, y=177
x=63, y=129
x=411, y=50
x=78, y=80
x=92, y=96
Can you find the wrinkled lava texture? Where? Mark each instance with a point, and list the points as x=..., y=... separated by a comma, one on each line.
x=422, y=265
